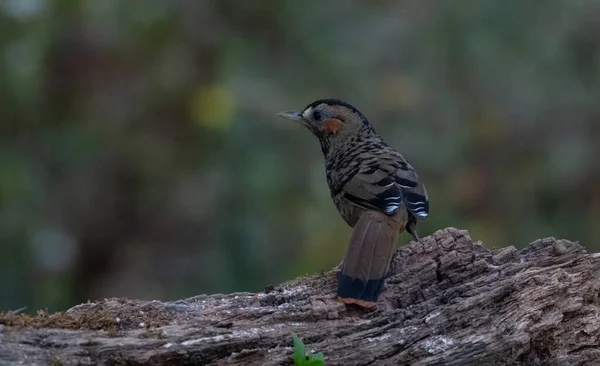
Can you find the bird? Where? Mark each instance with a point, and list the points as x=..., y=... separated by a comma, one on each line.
x=374, y=188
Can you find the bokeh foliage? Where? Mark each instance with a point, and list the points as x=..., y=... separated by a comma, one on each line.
x=140, y=154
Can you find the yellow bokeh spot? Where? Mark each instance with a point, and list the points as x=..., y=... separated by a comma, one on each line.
x=212, y=106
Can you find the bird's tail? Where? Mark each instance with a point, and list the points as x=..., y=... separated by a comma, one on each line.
x=368, y=258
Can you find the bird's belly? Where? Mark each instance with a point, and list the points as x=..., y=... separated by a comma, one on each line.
x=349, y=212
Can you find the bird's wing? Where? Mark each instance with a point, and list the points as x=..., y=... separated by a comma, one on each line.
x=384, y=189
x=373, y=189
x=414, y=192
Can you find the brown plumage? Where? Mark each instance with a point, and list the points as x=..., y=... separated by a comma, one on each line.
x=375, y=189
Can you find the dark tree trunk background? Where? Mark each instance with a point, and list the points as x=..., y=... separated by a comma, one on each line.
x=448, y=301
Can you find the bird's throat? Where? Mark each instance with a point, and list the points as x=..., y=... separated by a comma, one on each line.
x=325, y=144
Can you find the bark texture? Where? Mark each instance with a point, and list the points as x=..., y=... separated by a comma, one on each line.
x=448, y=301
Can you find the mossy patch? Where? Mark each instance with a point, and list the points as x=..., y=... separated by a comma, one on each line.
x=110, y=315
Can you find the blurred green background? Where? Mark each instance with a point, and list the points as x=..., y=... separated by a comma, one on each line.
x=140, y=154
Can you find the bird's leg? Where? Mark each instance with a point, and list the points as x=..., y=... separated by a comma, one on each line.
x=411, y=227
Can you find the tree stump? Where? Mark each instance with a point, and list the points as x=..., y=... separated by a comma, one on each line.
x=448, y=301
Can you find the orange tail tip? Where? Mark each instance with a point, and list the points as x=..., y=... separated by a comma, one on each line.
x=356, y=291
x=364, y=304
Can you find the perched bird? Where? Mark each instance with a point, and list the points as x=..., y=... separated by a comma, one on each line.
x=376, y=191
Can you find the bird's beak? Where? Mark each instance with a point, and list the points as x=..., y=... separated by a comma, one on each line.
x=293, y=115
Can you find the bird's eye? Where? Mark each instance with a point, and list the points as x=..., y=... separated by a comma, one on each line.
x=317, y=115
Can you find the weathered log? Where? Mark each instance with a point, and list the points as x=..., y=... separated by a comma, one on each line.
x=448, y=301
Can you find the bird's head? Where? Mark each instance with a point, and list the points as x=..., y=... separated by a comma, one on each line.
x=330, y=120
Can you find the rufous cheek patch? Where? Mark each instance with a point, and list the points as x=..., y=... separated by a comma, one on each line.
x=332, y=126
